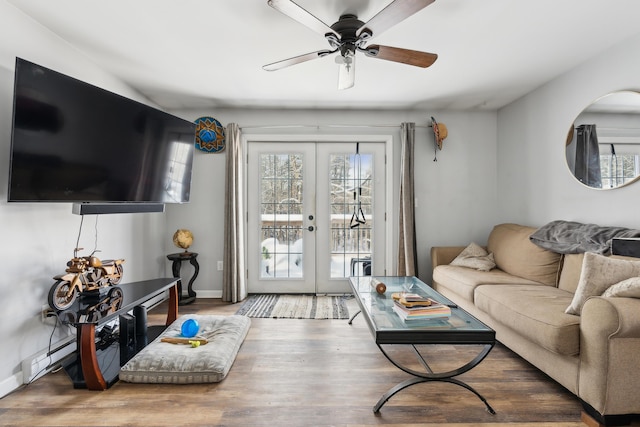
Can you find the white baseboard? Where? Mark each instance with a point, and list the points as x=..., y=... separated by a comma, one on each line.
x=10, y=384
x=209, y=294
x=149, y=304
x=43, y=362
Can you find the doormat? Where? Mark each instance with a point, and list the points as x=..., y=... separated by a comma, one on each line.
x=295, y=307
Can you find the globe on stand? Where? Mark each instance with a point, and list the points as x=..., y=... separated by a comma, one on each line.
x=183, y=239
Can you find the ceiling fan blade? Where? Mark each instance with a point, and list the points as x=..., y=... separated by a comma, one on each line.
x=395, y=12
x=347, y=75
x=299, y=14
x=405, y=56
x=297, y=60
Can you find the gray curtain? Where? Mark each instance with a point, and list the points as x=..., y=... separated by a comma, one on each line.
x=587, y=168
x=407, y=257
x=234, y=286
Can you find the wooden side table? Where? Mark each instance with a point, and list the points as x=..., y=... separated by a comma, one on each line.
x=178, y=259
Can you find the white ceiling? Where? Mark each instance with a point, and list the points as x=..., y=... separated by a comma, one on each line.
x=209, y=53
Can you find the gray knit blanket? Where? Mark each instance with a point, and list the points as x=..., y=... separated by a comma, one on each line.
x=568, y=237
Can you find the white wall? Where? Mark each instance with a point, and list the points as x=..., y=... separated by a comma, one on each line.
x=534, y=183
x=456, y=196
x=38, y=239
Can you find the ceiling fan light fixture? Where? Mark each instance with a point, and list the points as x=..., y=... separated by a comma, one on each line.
x=347, y=73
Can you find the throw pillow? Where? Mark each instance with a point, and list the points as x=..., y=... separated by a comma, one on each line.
x=598, y=274
x=627, y=288
x=474, y=256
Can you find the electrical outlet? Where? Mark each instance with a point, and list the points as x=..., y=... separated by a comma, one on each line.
x=46, y=312
x=219, y=265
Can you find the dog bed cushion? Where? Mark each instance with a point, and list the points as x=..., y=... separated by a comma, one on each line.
x=162, y=362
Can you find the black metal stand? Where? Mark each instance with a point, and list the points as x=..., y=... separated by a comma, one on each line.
x=101, y=353
x=175, y=268
x=354, y=316
x=429, y=375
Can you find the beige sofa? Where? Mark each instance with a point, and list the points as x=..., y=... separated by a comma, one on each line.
x=595, y=355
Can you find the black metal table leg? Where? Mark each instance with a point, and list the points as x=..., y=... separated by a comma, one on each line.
x=422, y=377
x=418, y=380
x=354, y=316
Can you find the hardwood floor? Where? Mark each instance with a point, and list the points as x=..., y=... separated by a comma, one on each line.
x=301, y=373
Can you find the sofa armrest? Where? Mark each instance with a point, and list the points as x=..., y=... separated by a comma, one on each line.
x=609, y=346
x=443, y=255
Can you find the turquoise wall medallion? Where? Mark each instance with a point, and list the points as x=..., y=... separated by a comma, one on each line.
x=210, y=136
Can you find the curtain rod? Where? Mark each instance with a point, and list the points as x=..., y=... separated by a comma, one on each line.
x=322, y=126
x=620, y=129
x=614, y=129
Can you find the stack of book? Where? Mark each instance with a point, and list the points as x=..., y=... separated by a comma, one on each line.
x=410, y=306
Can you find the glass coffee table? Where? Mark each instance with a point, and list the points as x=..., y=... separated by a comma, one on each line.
x=388, y=328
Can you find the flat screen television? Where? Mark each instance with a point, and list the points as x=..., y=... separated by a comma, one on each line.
x=75, y=142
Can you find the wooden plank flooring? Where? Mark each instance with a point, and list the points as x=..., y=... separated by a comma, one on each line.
x=300, y=373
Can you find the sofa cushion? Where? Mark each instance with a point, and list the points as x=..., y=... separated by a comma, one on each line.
x=463, y=281
x=476, y=257
x=515, y=254
x=598, y=273
x=570, y=274
x=535, y=312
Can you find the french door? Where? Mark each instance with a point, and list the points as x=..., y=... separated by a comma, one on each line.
x=316, y=215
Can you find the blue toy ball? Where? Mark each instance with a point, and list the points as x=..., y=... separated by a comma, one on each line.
x=190, y=328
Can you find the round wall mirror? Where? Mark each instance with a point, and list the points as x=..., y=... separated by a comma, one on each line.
x=603, y=143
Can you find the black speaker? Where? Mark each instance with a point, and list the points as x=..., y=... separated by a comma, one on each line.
x=127, y=338
x=140, y=313
x=115, y=208
x=625, y=247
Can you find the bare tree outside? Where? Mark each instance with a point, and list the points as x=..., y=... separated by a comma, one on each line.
x=281, y=204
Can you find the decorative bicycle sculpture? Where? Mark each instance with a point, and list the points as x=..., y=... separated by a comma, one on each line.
x=83, y=274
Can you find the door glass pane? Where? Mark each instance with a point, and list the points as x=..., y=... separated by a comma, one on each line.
x=619, y=169
x=351, y=187
x=281, y=216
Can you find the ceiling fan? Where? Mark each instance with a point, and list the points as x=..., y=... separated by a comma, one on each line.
x=349, y=35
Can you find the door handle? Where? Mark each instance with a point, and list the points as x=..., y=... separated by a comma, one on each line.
x=310, y=228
